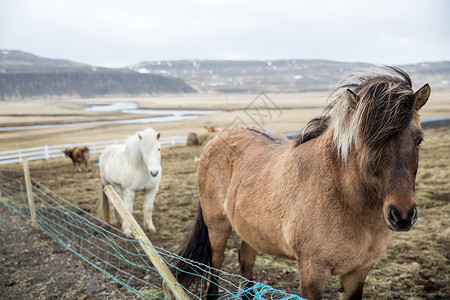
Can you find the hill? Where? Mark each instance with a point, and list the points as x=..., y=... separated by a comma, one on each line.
x=13, y=61
x=24, y=75
x=280, y=75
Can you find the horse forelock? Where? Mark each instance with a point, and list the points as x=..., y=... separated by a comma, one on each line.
x=384, y=109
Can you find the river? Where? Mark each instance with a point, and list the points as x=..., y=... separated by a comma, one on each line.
x=163, y=115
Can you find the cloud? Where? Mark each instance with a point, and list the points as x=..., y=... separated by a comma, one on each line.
x=116, y=32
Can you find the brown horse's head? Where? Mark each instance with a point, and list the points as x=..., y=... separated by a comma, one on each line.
x=381, y=132
x=68, y=152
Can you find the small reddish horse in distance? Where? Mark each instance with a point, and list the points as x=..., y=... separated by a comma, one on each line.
x=329, y=199
x=212, y=129
x=79, y=155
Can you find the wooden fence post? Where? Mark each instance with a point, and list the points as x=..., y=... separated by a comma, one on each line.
x=26, y=174
x=160, y=265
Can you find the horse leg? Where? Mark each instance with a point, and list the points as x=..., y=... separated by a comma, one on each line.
x=313, y=278
x=148, y=208
x=112, y=213
x=128, y=201
x=102, y=207
x=247, y=257
x=86, y=161
x=218, y=237
x=352, y=284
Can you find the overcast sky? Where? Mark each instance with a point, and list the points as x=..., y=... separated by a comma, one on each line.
x=119, y=33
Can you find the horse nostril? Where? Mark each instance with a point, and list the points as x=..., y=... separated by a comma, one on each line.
x=393, y=214
x=154, y=173
x=413, y=214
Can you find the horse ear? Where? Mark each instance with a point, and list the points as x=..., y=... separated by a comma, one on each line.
x=421, y=96
x=158, y=135
x=352, y=98
x=140, y=137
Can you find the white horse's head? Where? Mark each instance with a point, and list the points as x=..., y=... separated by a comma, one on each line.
x=148, y=150
x=151, y=150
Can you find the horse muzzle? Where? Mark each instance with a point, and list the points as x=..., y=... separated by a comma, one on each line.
x=401, y=221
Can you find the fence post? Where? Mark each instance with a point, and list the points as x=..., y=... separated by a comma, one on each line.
x=172, y=138
x=46, y=153
x=147, y=246
x=26, y=173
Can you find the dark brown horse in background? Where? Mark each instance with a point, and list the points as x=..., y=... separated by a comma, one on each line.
x=79, y=155
x=330, y=199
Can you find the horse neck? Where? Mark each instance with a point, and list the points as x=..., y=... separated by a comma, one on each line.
x=343, y=180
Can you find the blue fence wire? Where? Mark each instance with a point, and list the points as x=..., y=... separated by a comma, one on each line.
x=112, y=252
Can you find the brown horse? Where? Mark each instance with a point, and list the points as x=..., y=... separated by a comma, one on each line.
x=79, y=155
x=330, y=199
x=212, y=129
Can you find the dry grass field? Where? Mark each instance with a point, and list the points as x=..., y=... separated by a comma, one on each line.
x=416, y=265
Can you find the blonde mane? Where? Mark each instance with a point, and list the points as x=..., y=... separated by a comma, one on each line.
x=384, y=108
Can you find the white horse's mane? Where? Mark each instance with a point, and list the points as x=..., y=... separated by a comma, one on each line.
x=132, y=149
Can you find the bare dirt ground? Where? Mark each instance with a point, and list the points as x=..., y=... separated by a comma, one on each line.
x=416, y=265
x=34, y=266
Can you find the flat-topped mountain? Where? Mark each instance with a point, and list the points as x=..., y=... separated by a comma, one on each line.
x=24, y=75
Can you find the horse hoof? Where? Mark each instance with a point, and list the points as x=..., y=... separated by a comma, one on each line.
x=151, y=228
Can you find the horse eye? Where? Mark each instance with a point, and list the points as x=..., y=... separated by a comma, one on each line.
x=419, y=141
x=159, y=149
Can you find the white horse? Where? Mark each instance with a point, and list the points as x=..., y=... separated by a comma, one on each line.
x=133, y=166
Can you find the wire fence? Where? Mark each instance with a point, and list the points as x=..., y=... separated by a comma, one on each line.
x=113, y=253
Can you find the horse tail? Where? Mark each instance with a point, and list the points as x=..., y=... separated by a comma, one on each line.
x=196, y=248
x=102, y=207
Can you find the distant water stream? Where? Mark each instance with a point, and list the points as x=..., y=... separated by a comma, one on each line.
x=164, y=115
